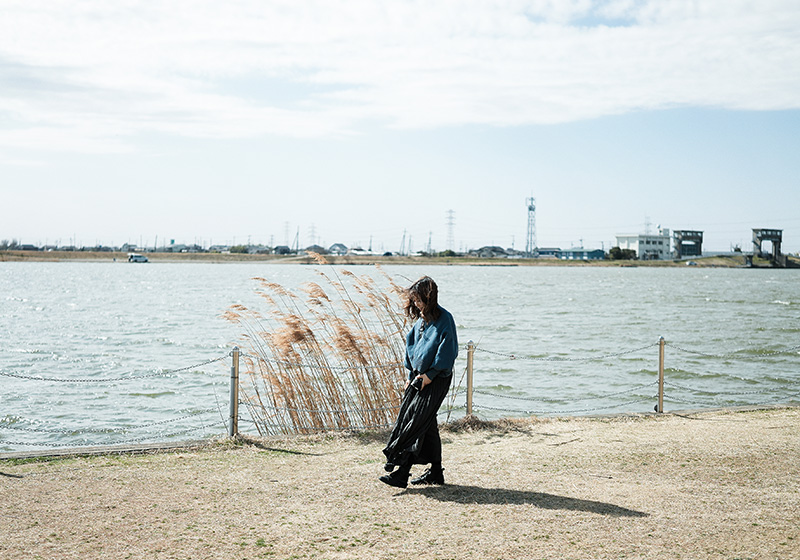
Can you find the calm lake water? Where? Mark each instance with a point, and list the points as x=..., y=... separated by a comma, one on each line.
x=551, y=340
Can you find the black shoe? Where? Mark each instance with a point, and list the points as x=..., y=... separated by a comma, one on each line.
x=388, y=467
x=430, y=477
x=395, y=479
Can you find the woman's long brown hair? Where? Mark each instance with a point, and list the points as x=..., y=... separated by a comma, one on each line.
x=428, y=293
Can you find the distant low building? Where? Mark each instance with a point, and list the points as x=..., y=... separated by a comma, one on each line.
x=259, y=250
x=581, y=254
x=489, y=252
x=337, y=249
x=358, y=251
x=648, y=247
x=549, y=252
x=316, y=249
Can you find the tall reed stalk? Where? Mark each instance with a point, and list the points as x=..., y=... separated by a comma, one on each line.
x=327, y=358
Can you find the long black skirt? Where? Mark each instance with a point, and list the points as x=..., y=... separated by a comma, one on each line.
x=415, y=437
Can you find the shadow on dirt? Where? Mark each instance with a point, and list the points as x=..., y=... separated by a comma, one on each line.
x=486, y=496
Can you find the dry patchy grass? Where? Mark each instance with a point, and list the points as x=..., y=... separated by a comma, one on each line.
x=710, y=485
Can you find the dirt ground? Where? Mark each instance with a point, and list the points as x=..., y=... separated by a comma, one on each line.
x=702, y=485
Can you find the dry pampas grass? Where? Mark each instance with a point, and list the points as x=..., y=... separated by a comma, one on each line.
x=329, y=357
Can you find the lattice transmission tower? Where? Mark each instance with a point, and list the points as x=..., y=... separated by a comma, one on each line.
x=450, y=224
x=531, y=250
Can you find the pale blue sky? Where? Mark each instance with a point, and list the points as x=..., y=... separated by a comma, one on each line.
x=364, y=120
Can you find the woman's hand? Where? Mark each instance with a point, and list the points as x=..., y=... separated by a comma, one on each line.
x=425, y=380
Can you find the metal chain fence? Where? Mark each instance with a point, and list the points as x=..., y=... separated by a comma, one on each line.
x=566, y=359
x=642, y=393
x=700, y=395
x=160, y=373
x=31, y=427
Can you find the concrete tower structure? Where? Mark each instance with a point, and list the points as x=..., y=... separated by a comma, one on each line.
x=531, y=250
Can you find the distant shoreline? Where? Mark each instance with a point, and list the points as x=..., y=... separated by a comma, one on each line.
x=221, y=258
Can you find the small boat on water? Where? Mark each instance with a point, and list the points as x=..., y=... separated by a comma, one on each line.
x=137, y=258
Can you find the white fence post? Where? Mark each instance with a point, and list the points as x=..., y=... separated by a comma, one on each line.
x=661, y=343
x=470, y=355
x=233, y=425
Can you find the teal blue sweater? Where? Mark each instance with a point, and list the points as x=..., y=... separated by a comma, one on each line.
x=431, y=348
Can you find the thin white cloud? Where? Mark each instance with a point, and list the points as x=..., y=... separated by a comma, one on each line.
x=91, y=76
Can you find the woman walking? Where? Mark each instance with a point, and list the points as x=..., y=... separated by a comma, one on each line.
x=431, y=350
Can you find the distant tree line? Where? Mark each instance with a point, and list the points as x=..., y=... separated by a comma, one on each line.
x=617, y=254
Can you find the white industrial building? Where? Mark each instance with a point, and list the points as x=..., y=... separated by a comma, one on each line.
x=648, y=247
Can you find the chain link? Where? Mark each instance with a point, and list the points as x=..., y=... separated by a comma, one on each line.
x=716, y=393
x=125, y=442
x=320, y=410
x=681, y=401
x=5, y=425
x=451, y=409
x=281, y=428
x=540, y=399
x=201, y=364
x=450, y=395
x=161, y=373
x=584, y=410
x=671, y=398
x=314, y=366
x=736, y=353
x=561, y=359
x=305, y=429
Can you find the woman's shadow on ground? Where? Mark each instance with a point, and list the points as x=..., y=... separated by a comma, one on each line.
x=477, y=495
